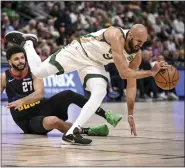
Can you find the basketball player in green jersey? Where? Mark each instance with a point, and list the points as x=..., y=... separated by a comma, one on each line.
x=32, y=112
x=88, y=55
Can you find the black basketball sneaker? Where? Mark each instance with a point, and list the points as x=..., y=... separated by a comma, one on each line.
x=19, y=38
x=75, y=138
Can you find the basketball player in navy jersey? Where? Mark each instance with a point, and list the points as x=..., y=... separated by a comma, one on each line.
x=36, y=115
x=88, y=55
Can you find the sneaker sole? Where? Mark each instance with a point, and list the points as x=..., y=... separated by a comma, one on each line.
x=73, y=143
x=23, y=35
x=14, y=32
x=7, y=38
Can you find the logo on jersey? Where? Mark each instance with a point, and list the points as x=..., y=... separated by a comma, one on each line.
x=26, y=79
x=10, y=80
x=27, y=106
x=130, y=58
x=108, y=55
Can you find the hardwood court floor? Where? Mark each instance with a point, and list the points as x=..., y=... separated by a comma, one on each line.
x=160, y=140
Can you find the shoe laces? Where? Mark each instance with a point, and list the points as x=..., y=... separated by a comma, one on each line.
x=78, y=136
x=76, y=130
x=77, y=133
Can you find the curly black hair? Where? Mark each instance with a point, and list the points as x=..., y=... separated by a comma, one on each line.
x=14, y=50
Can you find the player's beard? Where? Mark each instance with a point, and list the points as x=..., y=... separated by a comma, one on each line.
x=131, y=46
x=17, y=68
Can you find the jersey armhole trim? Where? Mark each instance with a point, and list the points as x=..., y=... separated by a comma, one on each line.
x=103, y=39
x=82, y=47
x=122, y=32
x=124, y=38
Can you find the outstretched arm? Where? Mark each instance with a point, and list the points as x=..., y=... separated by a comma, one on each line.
x=131, y=85
x=131, y=93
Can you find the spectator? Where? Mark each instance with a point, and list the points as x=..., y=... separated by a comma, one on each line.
x=178, y=25
x=31, y=27
x=158, y=25
x=170, y=44
x=61, y=40
x=6, y=25
x=9, y=11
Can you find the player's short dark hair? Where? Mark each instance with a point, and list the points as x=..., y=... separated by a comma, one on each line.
x=14, y=50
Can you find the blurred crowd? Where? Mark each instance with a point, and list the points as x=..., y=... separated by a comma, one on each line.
x=57, y=23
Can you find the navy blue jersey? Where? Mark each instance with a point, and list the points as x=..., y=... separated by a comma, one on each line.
x=19, y=87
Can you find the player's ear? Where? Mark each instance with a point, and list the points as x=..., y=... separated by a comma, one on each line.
x=130, y=34
x=9, y=62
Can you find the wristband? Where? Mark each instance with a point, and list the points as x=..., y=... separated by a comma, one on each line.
x=131, y=116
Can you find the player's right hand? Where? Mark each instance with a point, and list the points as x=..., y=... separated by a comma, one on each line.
x=132, y=126
x=159, y=66
x=16, y=104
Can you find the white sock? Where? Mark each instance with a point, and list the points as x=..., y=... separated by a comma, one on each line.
x=38, y=68
x=98, y=92
x=33, y=59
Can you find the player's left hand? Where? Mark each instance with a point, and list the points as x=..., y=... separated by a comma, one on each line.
x=132, y=125
x=16, y=104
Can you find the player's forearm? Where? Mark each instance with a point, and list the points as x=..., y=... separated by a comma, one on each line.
x=129, y=73
x=130, y=98
x=2, y=90
x=35, y=96
x=3, y=83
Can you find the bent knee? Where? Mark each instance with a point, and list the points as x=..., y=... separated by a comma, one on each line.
x=51, y=122
x=69, y=92
x=102, y=92
x=99, y=92
x=97, y=86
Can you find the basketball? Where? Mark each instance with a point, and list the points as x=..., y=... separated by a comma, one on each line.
x=167, y=79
